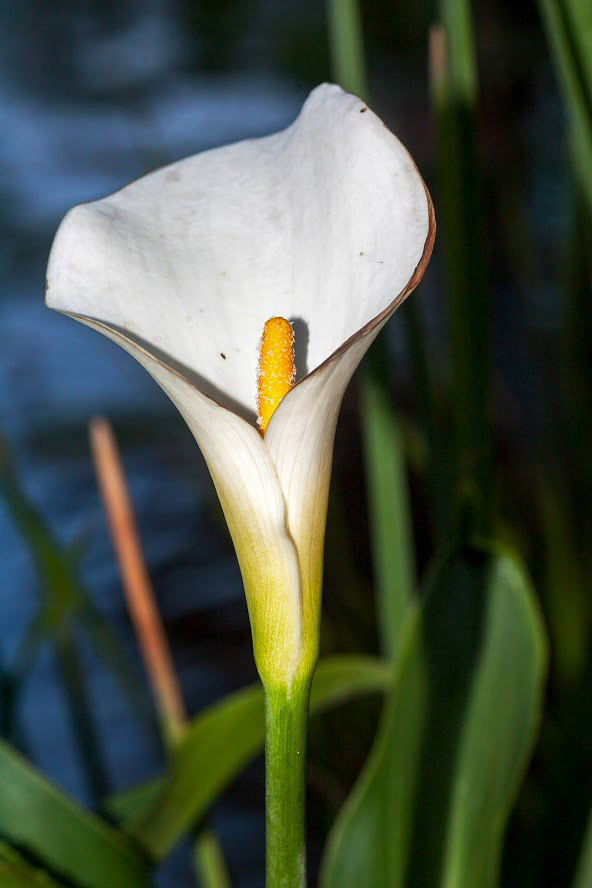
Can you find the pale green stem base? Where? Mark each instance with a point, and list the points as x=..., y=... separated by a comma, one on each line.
x=285, y=748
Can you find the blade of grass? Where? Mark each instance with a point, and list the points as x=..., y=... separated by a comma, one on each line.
x=208, y=862
x=577, y=355
x=388, y=503
x=347, y=46
x=33, y=638
x=458, y=728
x=71, y=674
x=568, y=24
x=12, y=876
x=461, y=65
x=390, y=519
x=454, y=97
x=62, y=593
x=71, y=842
x=111, y=651
x=566, y=594
x=49, y=562
x=350, y=625
x=16, y=872
x=438, y=468
x=583, y=877
x=129, y=804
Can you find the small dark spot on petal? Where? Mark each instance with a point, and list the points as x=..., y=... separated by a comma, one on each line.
x=363, y=109
x=361, y=253
x=222, y=355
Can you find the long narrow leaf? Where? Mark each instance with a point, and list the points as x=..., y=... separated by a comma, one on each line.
x=388, y=507
x=72, y=679
x=62, y=596
x=568, y=24
x=576, y=341
x=208, y=862
x=568, y=605
x=388, y=503
x=583, y=877
x=13, y=876
x=108, y=646
x=454, y=95
x=430, y=807
x=438, y=468
x=49, y=562
x=347, y=45
x=15, y=872
x=69, y=841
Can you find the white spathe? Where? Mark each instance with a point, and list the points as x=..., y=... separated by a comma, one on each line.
x=327, y=223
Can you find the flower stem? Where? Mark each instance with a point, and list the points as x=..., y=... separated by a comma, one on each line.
x=285, y=746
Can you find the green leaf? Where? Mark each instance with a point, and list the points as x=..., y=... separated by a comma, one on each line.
x=388, y=501
x=221, y=740
x=15, y=872
x=132, y=803
x=73, y=681
x=64, y=603
x=430, y=807
x=12, y=876
x=109, y=648
x=208, y=861
x=564, y=585
x=575, y=327
x=388, y=508
x=436, y=461
x=568, y=24
x=72, y=843
x=347, y=46
x=454, y=98
x=583, y=877
x=462, y=66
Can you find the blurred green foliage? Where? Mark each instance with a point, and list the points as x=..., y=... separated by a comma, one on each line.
x=457, y=731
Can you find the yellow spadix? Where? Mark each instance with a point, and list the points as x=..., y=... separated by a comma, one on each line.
x=276, y=371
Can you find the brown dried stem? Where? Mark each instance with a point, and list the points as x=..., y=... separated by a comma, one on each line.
x=136, y=582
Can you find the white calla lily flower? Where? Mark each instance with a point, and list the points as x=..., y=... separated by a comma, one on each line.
x=327, y=224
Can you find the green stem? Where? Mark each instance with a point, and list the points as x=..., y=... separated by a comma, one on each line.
x=347, y=45
x=285, y=746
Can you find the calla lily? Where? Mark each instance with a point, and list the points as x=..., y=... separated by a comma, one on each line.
x=328, y=224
